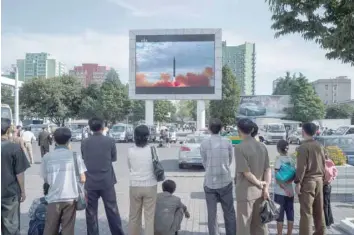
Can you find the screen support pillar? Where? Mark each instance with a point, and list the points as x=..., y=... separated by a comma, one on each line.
x=200, y=114
x=149, y=112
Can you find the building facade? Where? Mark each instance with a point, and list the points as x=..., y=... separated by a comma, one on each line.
x=90, y=73
x=39, y=65
x=242, y=61
x=333, y=91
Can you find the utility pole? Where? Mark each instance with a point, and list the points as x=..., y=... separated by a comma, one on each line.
x=17, y=105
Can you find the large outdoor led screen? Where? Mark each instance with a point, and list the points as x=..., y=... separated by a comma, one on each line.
x=175, y=64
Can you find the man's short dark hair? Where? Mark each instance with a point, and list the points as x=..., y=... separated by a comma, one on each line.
x=215, y=125
x=255, y=130
x=62, y=135
x=245, y=125
x=45, y=189
x=5, y=125
x=169, y=186
x=309, y=128
x=96, y=124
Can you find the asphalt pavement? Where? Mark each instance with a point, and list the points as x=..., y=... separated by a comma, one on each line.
x=189, y=188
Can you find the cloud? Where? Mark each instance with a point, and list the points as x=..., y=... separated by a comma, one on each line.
x=156, y=8
x=273, y=57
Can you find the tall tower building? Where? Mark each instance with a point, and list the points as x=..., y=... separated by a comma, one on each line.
x=39, y=65
x=242, y=61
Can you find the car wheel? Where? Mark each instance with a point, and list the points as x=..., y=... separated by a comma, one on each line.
x=181, y=166
x=298, y=142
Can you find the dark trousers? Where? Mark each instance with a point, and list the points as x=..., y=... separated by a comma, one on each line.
x=327, y=189
x=60, y=214
x=10, y=216
x=225, y=197
x=110, y=205
x=44, y=150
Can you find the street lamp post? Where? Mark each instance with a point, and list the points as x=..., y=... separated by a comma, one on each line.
x=17, y=108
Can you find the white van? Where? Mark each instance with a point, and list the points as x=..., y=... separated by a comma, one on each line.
x=122, y=132
x=272, y=132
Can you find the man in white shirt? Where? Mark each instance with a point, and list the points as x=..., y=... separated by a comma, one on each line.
x=28, y=137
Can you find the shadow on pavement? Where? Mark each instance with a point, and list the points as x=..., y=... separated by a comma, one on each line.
x=80, y=225
x=197, y=195
x=171, y=165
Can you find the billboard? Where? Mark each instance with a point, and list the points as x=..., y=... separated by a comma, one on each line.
x=170, y=64
x=274, y=106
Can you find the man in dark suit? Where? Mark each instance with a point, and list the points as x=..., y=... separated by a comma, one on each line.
x=44, y=141
x=99, y=152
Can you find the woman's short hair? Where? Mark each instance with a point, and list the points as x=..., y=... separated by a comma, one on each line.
x=255, y=130
x=141, y=135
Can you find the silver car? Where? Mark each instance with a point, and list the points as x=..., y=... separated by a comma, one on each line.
x=295, y=137
x=189, y=152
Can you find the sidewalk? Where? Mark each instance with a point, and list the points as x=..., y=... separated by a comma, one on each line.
x=191, y=192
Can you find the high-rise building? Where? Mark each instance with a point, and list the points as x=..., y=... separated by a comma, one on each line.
x=332, y=91
x=90, y=73
x=39, y=65
x=242, y=61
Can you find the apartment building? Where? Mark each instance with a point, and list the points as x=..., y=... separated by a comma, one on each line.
x=90, y=73
x=332, y=91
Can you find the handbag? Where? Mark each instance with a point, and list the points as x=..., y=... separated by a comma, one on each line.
x=159, y=172
x=286, y=172
x=81, y=201
x=269, y=211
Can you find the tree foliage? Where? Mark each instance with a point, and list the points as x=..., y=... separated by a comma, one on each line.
x=339, y=111
x=330, y=23
x=56, y=98
x=226, y=108
x=113, y=76
x=164, y=110
x=7, y=96
x=138, y=110
x=183, y=111
x=307, y=106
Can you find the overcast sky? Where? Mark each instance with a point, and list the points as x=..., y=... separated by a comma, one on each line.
x=96, y=31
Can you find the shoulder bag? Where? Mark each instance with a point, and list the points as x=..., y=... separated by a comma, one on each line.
x=81, y=201
x=159, y=172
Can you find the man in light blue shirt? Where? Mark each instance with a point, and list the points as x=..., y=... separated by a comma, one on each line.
x=58, y=170
x=217, y=154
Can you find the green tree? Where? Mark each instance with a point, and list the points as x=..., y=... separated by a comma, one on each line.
x=56, y=98
x=285, y=84
x=327, y=22
x=138, y=110
x=307, y=105
x=183, y=112
x=192, y=109
x=226, y=108
x=8, y=96
x=339, y=111
x=163, y=110
x=113, y=76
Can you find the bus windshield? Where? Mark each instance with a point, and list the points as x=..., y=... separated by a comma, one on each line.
x=6, y=112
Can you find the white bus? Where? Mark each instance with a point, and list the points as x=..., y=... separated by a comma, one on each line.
x=6, y=112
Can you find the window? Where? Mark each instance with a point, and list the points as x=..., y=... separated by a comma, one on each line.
x=335, y=87
x=350, y=131
x=326, y=87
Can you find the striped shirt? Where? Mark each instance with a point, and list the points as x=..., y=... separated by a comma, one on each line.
x=216, y=153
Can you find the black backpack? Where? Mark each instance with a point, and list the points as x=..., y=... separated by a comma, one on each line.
x=36, y=225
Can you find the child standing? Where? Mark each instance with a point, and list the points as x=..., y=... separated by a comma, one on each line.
x=169, y=210
x=284, y=191
x=330, y=174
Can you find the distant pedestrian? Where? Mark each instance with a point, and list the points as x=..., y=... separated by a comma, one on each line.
x=252, y=177
x=99, y=152
x=310, y=172
x=169, y=210
x=216, y=153
x=143, y=183
x=330, y=175
x=44, y=141
x=15, y=138
x=13, y=166
x=28, y=137
x=59, y=171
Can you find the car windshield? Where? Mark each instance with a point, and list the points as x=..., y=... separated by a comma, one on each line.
x=6, y=113
x=36, y=129
x=341, y=130
x=195, y=140
x=118, y=128
x=276, y=128
x=251, y=104
x=341, y=142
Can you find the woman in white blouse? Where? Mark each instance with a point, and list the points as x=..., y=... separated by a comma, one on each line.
x=143, y=184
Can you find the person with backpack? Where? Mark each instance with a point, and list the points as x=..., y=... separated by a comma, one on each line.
x=38, y=213
x=331, y=173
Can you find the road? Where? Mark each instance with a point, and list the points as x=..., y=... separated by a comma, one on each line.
x=189, y=188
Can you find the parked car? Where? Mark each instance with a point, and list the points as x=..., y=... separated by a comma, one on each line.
x=76, y=134
x=252, y=109
x=189, y=152
x=295, y=137
x=37, y=128
x=344, y=143
x=122, y=132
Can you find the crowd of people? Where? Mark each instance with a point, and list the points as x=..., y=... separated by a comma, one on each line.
x=64, y=172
